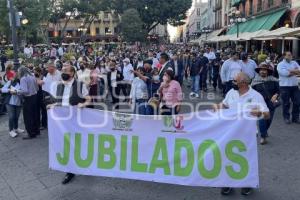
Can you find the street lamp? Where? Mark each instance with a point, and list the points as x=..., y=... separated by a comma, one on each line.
x=206, y=30
x=25, y=21
x=236, y=19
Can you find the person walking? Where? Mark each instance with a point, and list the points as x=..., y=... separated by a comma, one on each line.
x=248, y=65
x=229, y=70
x=267, y=85
x=243, y=94
x=177, y=64
x=195, y=68
x=288, y=71
x=29, y=89
x=204, y=70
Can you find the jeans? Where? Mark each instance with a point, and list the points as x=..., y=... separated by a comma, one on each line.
x=293, y=94
x=13, y=115
x=265, y=124
x=195, y=83
x=140, y=107
x=203, y=82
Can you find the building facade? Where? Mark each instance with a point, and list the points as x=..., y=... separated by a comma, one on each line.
x=103, y=28
x=195, y=20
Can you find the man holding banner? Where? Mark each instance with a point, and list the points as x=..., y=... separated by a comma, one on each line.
x=243, y=97
x=70, y=93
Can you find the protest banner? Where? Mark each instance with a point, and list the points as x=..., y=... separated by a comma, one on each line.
x=200, y=150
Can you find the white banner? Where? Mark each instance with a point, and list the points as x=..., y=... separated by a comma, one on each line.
x=202, y=149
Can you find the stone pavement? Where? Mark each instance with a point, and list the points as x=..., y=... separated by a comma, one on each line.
x=24, y=173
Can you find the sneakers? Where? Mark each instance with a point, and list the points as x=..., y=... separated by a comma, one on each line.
x=226, y=191
x=13, y=134
x=263, y=141
x=246, y=191
x=19, y=131
x=194, y=95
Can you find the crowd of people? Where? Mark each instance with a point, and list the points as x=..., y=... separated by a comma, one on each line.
x=151, y=80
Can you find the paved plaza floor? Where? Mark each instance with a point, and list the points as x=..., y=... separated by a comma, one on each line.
x=24, y=173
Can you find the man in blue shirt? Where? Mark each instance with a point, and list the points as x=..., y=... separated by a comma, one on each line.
x=288, y=71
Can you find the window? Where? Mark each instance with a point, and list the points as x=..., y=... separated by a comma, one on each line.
x=107, y=31
x=270, y=3
x=259, y=5
x=251, y=7
x=198, y=26
x=285, y=1
x=97, y=31
x=106, y=15
x=198, y=11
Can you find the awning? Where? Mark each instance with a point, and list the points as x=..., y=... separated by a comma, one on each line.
x=281, y=33
x=215, y=33
x=235, y=2
x=264, y=22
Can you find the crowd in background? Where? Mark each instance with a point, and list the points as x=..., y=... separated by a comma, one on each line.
x=149, y=79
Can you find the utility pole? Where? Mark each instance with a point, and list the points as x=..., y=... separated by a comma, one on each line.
x=13, y=25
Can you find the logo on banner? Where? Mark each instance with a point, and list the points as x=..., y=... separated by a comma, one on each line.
x=122, y=122
x=173, y=124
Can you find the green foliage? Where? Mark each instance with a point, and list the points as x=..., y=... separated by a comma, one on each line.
x=132, y=26
x=153, y=12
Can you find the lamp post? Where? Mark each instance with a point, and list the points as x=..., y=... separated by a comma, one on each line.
x=206, y=30
x=81, y=29
x=236, y=19
x=13, y=23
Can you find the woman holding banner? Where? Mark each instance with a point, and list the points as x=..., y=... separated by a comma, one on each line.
x=171, y=94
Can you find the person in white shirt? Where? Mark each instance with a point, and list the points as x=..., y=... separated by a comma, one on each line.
x=289, y=71
x=154, y=59
x=27, y=52
x=139, y=94
x=60, y=52
x=50, y=81
x=128, y=75
x=248, y=65
x=229, y=70
x=84, y=74
x=69, y=94
x=242, y=96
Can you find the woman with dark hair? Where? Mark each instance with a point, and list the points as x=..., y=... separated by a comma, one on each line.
x=171, y=94
x=13, y=101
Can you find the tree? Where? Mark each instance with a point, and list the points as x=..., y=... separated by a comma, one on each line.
x=89, y=10
x=154, y=12
x=132, y=26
